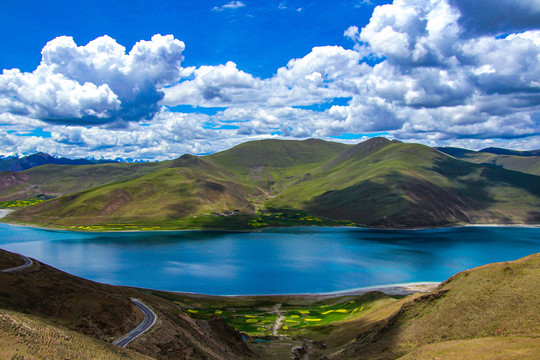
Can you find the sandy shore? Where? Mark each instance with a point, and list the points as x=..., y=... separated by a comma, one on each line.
x=391, y=289
x=4, y=212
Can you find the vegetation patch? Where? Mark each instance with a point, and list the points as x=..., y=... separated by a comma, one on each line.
x=19, y=203
x=258, y=321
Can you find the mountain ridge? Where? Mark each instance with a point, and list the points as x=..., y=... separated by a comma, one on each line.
x=16, y=163
x=377, y=182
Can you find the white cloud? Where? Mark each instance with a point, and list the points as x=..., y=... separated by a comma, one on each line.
x=230, y=5
x=95, y=83
x=212, y=86
x=325, y=73
x=53, y=97
x=417, y=71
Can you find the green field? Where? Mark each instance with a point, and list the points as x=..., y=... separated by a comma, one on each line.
x=302, y=315
x=19, y=203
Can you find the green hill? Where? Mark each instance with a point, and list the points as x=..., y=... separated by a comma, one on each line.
x=56, y=180
x=275, y=182
x=394, y=184
x=184, y=187
x=267, y=162
x=523, y=161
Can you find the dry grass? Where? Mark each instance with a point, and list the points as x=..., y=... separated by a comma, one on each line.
x=25, y=337
x=498, y=300
x=494, y=348
x=104, y=312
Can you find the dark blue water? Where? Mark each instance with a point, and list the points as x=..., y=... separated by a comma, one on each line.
x=275, y=261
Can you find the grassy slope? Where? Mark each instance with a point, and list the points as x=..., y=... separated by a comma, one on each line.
x=55, y=180
x=28, y=337
x=187, y=186
x=527, y=164
x=412, y=185
x=277, y=154
x=495, y=304
x=235, y=179
x=105, y=312
x=484, y=348
x=272, y=164
x=375, y=183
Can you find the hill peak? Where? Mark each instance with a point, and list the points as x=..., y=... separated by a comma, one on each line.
x=362, y=150
x=186, y=160
x=279, y=153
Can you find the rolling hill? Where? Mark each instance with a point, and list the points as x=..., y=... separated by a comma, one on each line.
x=523, y=161
x=375, y=183
x=48, y=181
x=490, y=312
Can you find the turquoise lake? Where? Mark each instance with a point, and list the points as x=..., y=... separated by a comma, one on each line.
x=273, y=261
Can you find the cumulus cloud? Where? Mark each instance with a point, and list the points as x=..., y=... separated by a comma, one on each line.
x=230, y=5
x=486, y=17
x=445, y=85
x=212, y=86
x=419, y=71
x=325, y=73
x=95, y=83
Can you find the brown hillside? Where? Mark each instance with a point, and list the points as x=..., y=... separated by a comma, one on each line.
x=497, y=303
x=106, y=312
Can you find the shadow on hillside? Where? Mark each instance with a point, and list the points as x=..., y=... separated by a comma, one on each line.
x=533, y=217
x=185, y=203
x=488, y=174
x=474, y=189
x=368, y=339
x=399, y=200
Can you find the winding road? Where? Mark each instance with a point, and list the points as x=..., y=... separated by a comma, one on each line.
x=27, y=263
x=149, y=320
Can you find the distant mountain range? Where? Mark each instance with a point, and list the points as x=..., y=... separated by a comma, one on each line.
x=285, y=182
x=15, y=163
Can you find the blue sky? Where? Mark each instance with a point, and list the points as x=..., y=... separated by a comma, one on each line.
x=154, y=80
x=259, y=37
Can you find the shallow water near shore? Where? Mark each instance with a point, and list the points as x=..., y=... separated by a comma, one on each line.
x=273, y=261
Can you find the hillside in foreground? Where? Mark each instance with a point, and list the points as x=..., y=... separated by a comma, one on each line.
x=379, y=183
x=487, y=312
x=42, y=307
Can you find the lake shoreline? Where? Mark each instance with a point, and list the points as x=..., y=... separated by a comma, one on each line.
x=402, y=289
x=314, y=261
x=5, y=212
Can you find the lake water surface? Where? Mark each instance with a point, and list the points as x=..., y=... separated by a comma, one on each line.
x=273, y=261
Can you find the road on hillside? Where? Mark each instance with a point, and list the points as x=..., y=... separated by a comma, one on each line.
x=27, y=263
x=149, y=320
